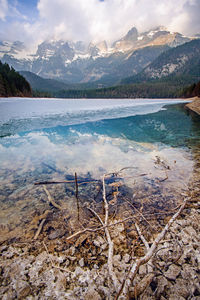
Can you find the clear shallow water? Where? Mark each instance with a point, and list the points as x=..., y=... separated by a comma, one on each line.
x=52, y=139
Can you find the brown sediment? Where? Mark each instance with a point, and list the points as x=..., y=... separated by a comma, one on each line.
x=194, y=106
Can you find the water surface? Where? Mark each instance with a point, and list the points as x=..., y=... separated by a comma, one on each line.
x=52, y=139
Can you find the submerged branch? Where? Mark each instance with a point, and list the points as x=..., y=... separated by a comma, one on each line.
x=51, y=199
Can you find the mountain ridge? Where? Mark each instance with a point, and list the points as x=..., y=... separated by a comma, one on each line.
x=77, y=62
x=182, y=61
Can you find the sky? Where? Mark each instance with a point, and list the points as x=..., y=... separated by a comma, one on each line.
x=33, y=21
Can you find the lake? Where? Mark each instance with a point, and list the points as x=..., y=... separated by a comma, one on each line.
x=51, y=139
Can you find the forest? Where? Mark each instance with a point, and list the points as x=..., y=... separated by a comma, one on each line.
x=12, y=84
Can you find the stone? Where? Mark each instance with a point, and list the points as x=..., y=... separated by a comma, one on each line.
x=104, y=246
x=191, y=231
x=180, y=288
x=96, y=267
x=99, y=241
x=162, y=284
x=72, y=250
x=173, y=272
x=9, y=295
x=78, y=271
x=143, y=284
x=23, y=289
x=116, y=260
x=143, y=270
x=176, y=297
x=81, y=262
x=126, y=258
x=91, y=294
x=188, y=272
x=56, y=234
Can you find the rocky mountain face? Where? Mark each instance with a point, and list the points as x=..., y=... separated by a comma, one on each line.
x=77, y=62
x=182, y=62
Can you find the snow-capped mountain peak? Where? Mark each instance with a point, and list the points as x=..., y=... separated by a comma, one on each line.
x=81, y=62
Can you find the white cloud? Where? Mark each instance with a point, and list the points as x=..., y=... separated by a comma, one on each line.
x=3, y=9
x=109, y=19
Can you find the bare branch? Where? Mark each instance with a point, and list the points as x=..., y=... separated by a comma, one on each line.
x=96, y=215
x=39, y=229
x=109, y=240
x=142, y=237
x=51, y=199
x=97, y=229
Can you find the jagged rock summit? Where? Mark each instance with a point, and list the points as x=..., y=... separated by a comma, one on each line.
x=79, y=62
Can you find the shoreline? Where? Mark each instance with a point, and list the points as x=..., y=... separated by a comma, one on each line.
x=193, y=106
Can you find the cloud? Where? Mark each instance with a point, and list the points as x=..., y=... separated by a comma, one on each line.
x=3, y=9
x=109, y=19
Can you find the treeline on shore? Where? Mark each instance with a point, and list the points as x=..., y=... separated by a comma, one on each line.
x=12, y=84
x=192, y=91
x=153, y=89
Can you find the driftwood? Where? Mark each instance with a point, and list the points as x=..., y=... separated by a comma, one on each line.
x=51, y=199
x=39, y=229
x=76, y=195
x=112, y=275
x=96, y=215
x=43, y=218
x=64, y=181
x=142, y=237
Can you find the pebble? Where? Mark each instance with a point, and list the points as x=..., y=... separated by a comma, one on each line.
x=126, y=258
x=56, y=234
x=81, y=262
x=23, y=289
x=173, y=272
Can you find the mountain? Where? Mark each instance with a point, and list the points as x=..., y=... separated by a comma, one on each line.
x=42, y=84
x=12, y=84
x=166, y=77
x=181, y=63
x=52, y=86
x=78, y=62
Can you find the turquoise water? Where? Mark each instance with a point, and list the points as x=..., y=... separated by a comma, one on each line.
x=52, y=139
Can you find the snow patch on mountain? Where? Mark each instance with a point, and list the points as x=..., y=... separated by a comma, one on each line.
x=78, y=61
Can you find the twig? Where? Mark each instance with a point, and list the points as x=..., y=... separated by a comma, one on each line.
x=142, y=215
x=76, y=195
x=142, y=237
x=76, y=185
x=51, y=199
x=96, y=215
x=52, y=263
x=39, y=229
x=135, y=266
x=63, y=181
x=97, y=229
x=109, y=240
